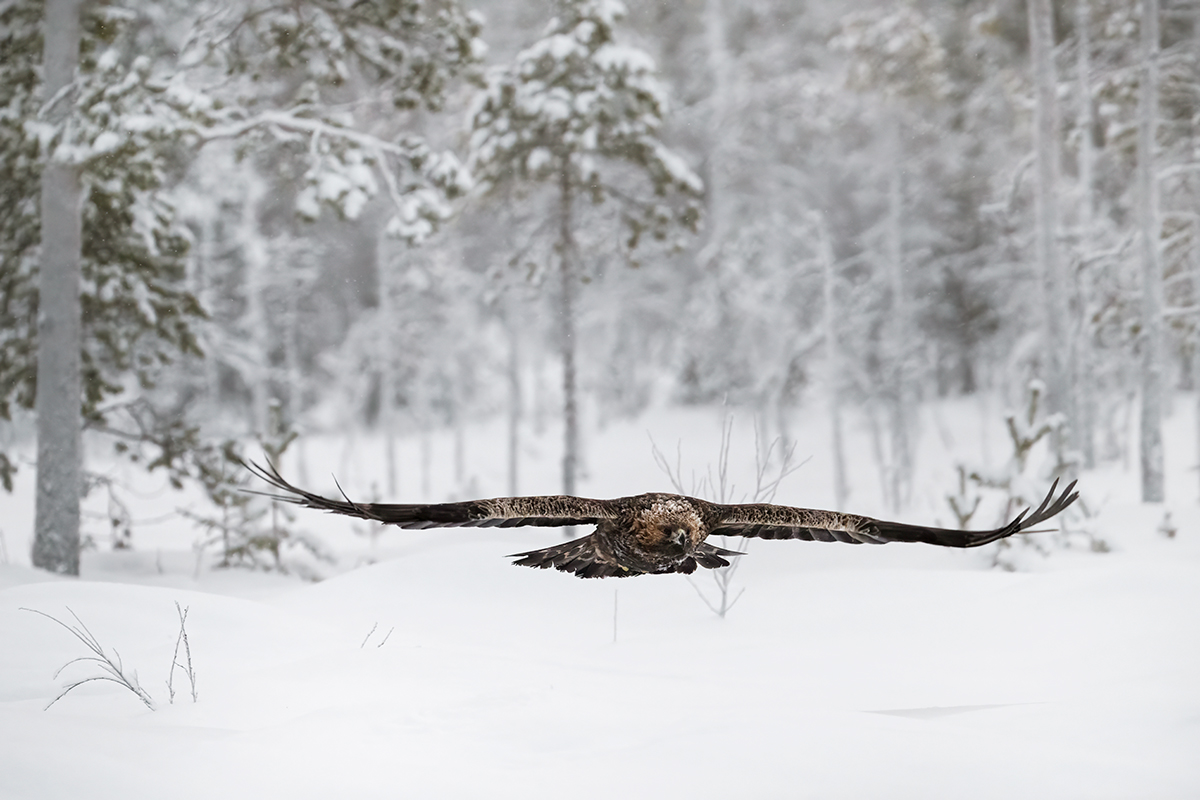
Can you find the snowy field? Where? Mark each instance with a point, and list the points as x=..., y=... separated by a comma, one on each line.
x=440, y=671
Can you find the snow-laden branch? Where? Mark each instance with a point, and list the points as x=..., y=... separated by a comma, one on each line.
x=418, y=207
x=290, y=121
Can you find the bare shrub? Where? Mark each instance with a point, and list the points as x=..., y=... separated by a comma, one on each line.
x=773, y=462
x=187, y=668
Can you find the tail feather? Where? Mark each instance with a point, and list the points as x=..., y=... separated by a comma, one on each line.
x=711, y=557
x=586, y=559
x=578, y=556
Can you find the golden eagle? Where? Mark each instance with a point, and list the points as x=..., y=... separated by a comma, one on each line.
x=655, y=533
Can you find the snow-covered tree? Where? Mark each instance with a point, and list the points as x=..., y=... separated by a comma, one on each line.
x=1047, y=141
x=895, y=54
x=581, y=113
x=131, y=111
x=98, y=141
x=1150, y=230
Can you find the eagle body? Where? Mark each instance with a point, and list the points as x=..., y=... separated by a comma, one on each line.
x=656, y=533
x=648, y=534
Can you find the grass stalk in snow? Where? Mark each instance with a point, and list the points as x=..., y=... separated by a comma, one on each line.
x=111, y=667
x=182, y=638
x=371, y=633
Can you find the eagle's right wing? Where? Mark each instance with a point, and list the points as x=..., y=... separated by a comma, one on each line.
x=501, y=512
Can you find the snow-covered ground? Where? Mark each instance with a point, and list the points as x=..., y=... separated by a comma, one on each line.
x=440, y=671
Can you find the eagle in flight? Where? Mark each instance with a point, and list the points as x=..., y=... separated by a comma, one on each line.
x=655, y=533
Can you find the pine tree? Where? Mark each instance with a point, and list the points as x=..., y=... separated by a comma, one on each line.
x=135, y=107
x=115, y=310
x=569, y=112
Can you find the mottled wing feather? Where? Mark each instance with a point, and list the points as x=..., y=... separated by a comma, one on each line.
x=847, y=528
x=579, y=556
x=766, y=521
x=587, y=558
x=500, y=512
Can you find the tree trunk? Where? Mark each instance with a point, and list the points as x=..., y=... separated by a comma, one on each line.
x=833, y=369
x=514, y=396
x=1196, y=335
x=59, y=418
x=1056, y=374
x=460, y=449
x=1083, y=426
x=426, y=462
x=1151, y=444
x=899, y=327
x=291, y=350
x=387, y=372
x=254, y=255
x=718, y=66
x=1196, y=236
x=204, y=269
x=566, y=243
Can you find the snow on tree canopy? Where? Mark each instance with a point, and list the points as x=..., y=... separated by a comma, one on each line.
x=408, y=53
x=896, y=51
x=575, y=92
x=573, y=101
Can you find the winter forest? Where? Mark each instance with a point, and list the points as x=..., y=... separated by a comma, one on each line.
x=915, y=260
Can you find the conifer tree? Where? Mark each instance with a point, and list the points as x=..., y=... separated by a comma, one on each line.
x=574, y=112
x=138, y=103
x=896, y=56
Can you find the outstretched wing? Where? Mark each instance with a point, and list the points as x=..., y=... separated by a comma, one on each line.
x=500, y=512
x=765, y=521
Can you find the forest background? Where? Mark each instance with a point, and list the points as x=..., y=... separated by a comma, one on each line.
x=408, y=217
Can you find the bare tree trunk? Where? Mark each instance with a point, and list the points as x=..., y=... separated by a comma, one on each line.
x=254, y=255
x=899, y=328
x=833, y=368
x=203, y=269
x=718, y=66
x=460, y=449
x=426, y=462
x=387, y=373
x=59, y=418
x=1196, y=232
x=566, y=242
x=1196, y=334
x=1083, y=426
x=1151, y=445
x=1056, y=373
x=291, y=350
x=514, y=397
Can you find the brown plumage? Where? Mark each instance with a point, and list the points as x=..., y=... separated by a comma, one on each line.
x=655, y=533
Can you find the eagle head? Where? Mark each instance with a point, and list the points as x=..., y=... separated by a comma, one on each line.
x=671, y=527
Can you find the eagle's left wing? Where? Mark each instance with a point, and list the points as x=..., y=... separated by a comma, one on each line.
x=500, y=512
x=766, y=521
